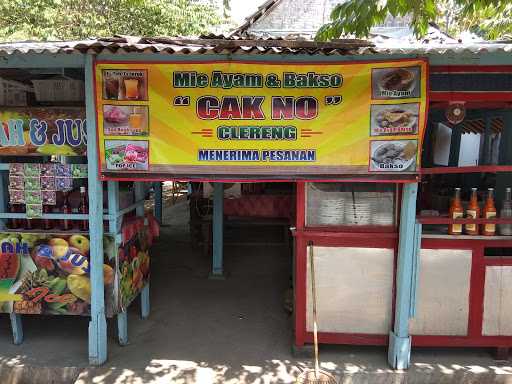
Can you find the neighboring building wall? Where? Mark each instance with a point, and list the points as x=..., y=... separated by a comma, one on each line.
x=305, y=17
x=294, y=17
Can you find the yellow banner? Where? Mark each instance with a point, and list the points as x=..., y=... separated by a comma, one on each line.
x=235, y=118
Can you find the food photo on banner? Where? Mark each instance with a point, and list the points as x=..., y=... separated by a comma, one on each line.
x=171, y=119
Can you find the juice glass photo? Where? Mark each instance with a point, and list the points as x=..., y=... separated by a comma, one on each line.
x=131, y=87
x=135, y=120
x=112, y=88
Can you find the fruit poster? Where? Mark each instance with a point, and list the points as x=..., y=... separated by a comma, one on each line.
x=134, y=266
x=42, y=273
x=158, y=120
x=48, y=274
x=43, y=131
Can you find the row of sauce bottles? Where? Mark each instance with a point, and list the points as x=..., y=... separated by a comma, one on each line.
x=473, y=211
x=50, y=224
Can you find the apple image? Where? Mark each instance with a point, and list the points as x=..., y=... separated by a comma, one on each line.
x=60, y=247
x=43, y=257
x=81, y=243
x=57, y=241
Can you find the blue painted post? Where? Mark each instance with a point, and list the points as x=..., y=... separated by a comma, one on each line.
x=113, y=228
x=122, y=327
x=139, y=195
x=17, y=329
x=4, y=196
x=218, y=231
x=158, y=202
x=113, y=206
x=16, y=326
x=144, y=295
x=144, y=302
x=98, y=324
x=399, y=352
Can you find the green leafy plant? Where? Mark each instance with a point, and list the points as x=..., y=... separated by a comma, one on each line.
x=490, y=19
x=72, y=19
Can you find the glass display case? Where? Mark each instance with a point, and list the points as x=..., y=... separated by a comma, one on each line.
x=350, y=204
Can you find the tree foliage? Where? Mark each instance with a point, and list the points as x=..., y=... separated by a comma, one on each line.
x=78, y=19
x=490, y=19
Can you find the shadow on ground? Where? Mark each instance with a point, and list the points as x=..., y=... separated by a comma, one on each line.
x=216, y=331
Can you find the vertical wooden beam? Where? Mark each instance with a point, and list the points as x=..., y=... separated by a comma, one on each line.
x=453, y=160
x=17, y=329
x=504, y=179
x=144, y=302
x=114, y=228
x=113, y=206
x=4, y=196
x=218, y=231
x=139, y=190
x=98, y=324
x=486, y=155
x=158, y=201
x=399, y=352
x=122, y=327
x=300, y=260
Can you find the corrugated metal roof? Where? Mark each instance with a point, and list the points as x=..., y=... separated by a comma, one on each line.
x=208, y=44
x=215, y=44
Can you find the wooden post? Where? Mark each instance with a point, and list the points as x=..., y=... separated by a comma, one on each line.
x=399, y=352
x=158, y=201
x=17, y=329
x=144, y=295
x=114, y=228
x=113, y=206
x=98, y=324
x=144, y=302
x=218, y=231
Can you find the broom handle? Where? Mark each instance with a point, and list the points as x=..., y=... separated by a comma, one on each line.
x=313, y=288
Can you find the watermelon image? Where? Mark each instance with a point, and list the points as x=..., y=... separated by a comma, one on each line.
x=9, y=265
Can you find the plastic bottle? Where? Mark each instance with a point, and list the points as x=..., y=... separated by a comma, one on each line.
x=472, y=212
x=506, y=213
x=456, y=212
x=84, y=208
x=47, y=223
x=13, y=223
x=66, y=224
x=489, y=213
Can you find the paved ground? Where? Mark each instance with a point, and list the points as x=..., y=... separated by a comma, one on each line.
x=206, y=331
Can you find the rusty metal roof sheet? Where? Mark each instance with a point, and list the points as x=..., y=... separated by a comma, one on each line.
x=219, y=44
x=206, y=44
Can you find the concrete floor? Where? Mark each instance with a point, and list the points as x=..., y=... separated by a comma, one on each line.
x=211, y=331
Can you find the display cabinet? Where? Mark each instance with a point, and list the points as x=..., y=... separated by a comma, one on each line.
x=352, y=228
x=60, y=225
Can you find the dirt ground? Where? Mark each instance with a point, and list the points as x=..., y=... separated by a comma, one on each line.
x=216, y=331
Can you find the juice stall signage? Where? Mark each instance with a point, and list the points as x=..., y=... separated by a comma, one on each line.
x=238, y=118
x=43, y=131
